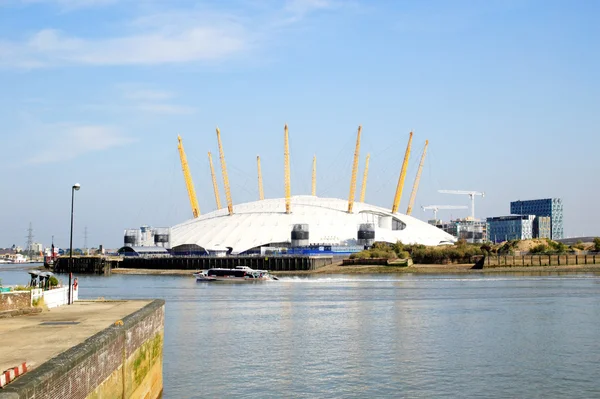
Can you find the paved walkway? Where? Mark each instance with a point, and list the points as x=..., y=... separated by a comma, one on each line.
x=26, y=339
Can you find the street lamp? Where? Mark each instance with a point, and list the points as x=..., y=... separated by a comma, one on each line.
x=75, y=187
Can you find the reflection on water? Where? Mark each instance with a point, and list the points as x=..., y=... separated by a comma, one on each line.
x=372, y=336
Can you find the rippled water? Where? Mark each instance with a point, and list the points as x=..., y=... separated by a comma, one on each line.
x=374, y=336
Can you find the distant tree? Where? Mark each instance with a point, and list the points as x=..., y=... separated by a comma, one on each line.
x=597, y=244
x=486, y=248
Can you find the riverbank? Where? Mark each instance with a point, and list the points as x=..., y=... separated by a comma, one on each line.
x=415, y=269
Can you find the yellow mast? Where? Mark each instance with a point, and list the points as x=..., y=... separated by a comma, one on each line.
x=363, y=189
x=261, y=194
x=214, y=181
x=188, y=179
x=400, y=185
x=286, y=161
x=225, y=177
x=314, y=176
x=413, y=195
x=354, y=170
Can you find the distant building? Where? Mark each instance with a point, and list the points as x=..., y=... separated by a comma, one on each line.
x=514, y=227
x=147, y=236
x=472, y=231
x=542, y=227
x=36, y=247
x=551, y=207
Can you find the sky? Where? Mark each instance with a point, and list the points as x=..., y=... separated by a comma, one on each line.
x=96, y=91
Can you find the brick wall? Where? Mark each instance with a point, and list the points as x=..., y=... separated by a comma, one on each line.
x=102, y=366
x=15, y=300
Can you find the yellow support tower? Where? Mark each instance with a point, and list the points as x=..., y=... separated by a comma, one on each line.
x=188, y=179
x=400, y=185
x=261, y=193
x=354, y=170
x=363, y=189
x=314, y=176
x=413, y=195
x=214, y=181
x=225, y=177
x=286, y=161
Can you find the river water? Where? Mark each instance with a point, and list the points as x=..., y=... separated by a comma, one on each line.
x=414, y=336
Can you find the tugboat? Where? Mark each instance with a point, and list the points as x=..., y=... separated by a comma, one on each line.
x=240, y=273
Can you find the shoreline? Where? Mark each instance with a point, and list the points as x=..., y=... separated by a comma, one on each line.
x=418, y=269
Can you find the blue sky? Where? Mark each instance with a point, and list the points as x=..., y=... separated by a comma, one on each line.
x=96, y=91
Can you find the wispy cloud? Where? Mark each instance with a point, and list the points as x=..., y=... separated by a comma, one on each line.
x=171, y=109
x=51, y=47
x=150, y=100
x=171, y=36
x=72, y=4
x=78, y=140
x=146, y=94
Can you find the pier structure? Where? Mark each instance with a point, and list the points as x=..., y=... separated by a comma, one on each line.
x=90, y=349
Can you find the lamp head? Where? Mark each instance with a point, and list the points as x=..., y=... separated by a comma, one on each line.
x=76, y=187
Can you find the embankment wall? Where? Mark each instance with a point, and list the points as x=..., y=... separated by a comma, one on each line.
x=273, y=263
x=121, y=361
x=539, y=260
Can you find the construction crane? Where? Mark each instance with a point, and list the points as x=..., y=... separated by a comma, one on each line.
x=188, y=179
x=225, y=176
x=471, y=195
x=286, y=166
x=314, y=176
x=400, y=185
x=415, y=188
x=363, y=188
x=214, y=181
x=354, y=170
x=261, y=193
x=436, y=208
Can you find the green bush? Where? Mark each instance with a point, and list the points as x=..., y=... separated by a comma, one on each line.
x=53, y=281
x=597, y=244
x=539, y=249
x=579, y=245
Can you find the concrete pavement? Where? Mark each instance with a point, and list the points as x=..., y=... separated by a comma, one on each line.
x=39, y=337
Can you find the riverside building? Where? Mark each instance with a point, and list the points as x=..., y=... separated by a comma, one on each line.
x=550, y=207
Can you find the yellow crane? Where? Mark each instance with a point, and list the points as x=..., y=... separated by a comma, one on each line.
x=314, y=176
x=400, y=185
x=225, y=177
x=286, y=162
x=415, y=188
x=214, y=181
x=188, y=179
x=354, y=170
x=363, y=189
x=261, y=193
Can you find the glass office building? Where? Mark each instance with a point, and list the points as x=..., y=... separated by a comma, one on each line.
x=551, y=207
x=515, y=227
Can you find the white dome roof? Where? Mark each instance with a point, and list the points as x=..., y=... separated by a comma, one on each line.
x=258, y=223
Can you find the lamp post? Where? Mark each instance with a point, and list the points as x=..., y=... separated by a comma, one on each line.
x=75, y=187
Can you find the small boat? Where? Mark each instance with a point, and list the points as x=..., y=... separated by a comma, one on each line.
x=240, y=273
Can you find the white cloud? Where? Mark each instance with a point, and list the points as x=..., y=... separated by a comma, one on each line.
x=158, y=108
x=72, y=4
x=195, y=34
x=76, y=140
x=147, y=95
x=51, y=47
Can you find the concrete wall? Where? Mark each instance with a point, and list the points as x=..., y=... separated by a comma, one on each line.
x=58, y=297
x=122, y=361
x=15, y=300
